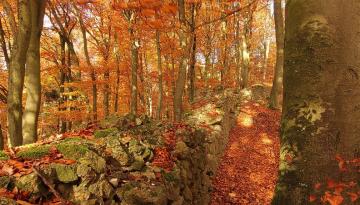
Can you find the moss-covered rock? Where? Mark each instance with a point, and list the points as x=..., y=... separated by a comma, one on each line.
x=5, y=181
x=34, y=152
x=94, y=161
x=181, y=151
x=143, y=194
x=138, y=164
x=135, y=147
x=118, y=150
x=72, y=150
x=105, y=133
x=30, y=183
x=7, y=201
x=65, y=173
x=3, y=156
x=81, y=193
x=101, y=189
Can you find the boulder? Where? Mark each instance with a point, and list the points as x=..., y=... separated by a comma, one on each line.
x=65, y=173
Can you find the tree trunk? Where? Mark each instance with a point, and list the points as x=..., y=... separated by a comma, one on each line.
x=208, y=45
x=191, y=74
x=106, y=99
x=321, y=97
x=278, y=72
x=4, y=46
x=160, y=77
x=266, y=57
x=181, y=79
x=117, y=88
x=32, y=80
x=134, y=69
x=62, y=99
x=88, y=62
x=224, y=38
x=237, y=51
x=1, y=139
x=17, y=73
x=245, y=61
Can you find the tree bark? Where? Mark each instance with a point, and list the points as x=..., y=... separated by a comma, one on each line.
x=62, y=77
x=278, y=72
x=245, y=61
x=17, y=73
x=117, y=88
x=181, y=79
x=238, y=50
x=1, y=139
x=266, y=57
x=106, y=100
x=191, y=75
x=4, y=46
x=32, y=79
x=224, y=49
x=160, y=77
x=134, y=69
x=321, y=97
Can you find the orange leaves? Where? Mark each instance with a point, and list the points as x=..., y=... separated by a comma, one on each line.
x=312, y=198
x=82, y=2
x=341, y=163
x=169, y=8
x=6, y=193
x=162, y=158
x=289, y=158
x=353, y=196
x=317, y=186
x=333, y=199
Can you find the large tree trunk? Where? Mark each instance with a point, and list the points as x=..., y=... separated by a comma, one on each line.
x=181, y=79
x=278, y=72
x=32, y=80
x=17, y=73
x=321, y=113
x=134, y=69
x=191, y=75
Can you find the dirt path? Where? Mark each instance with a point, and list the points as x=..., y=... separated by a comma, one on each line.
x=248, y=170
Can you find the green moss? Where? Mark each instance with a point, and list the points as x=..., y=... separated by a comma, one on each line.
x=72, y=139
x=34, y=152
x=65, y=173
x=170, y=176
x=105, y=133
x=3, y=156
x=4, y=181
x=72, y=150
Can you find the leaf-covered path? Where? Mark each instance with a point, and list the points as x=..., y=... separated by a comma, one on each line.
x=248, y=170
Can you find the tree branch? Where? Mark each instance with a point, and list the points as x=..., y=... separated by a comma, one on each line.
x=227, y=15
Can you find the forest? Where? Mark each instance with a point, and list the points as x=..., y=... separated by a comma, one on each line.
x=179, y=102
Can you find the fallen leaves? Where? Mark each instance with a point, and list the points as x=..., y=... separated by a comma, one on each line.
x=248, y=170
x=163, y=159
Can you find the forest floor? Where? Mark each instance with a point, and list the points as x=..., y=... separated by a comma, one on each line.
x=248, y=170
